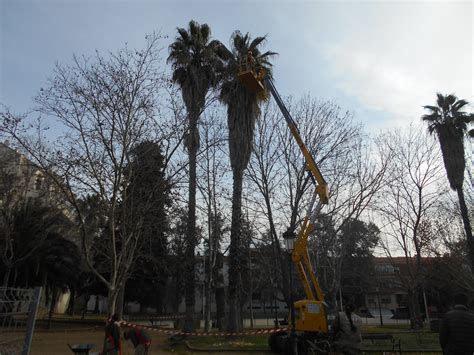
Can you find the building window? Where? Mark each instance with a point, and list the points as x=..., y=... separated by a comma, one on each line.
x=370, y=300
x=384, y=269
x=38, y=182
x=386, y=299
x=384, y=284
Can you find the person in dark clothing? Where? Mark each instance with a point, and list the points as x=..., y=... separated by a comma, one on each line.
x=112, y=344
x=456, y=334
x=140, y=340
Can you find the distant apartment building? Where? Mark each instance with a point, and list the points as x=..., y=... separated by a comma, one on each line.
x=387, y=291
x=21, y=180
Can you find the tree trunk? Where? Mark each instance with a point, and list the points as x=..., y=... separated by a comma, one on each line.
x=208, y=303
x=120, y=302
x=72, y=296
x=111, y=300
x=467, y=225
x=251, y=291
x=207, y=308
x=191, y=238
x=220, y=293
x=6, y=276
x=415, y=316
x=220, y=308
x=51, y=306
x=210, y=269
x=96, y=305
x=87, y=297
x=234, y=288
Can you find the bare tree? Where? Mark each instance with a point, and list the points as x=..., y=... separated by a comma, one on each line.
x=103, y=107
x=407, y=198
x=278, y=171
x=212, y=170
x=448, y=244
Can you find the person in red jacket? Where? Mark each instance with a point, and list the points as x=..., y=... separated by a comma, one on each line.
x=140, y=340
x=112, y=343
x=456, y=333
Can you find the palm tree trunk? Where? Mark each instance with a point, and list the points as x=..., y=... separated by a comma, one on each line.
x=467, y=225
x=191, y=230
x=233, y=323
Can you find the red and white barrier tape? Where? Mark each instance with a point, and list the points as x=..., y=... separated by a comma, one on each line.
x=179, y=332
x=177, y=316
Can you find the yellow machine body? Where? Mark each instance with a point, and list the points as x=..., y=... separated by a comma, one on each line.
x=310, y=316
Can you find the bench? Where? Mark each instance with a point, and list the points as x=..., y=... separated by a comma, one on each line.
x=81, y=348
x=280, y=322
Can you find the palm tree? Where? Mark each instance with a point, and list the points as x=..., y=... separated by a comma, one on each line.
x=243, y=109
x=57, y=263
x=449, y=121
x=194, y=62
x=24, y=229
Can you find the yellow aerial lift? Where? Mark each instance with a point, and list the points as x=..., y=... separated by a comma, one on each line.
x=311, y=326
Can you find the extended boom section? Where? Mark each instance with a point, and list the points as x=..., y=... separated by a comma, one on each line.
x=321, y=185
x=310, y=314
x=300, y=253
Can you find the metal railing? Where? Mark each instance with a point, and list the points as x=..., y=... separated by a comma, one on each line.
x=18, y=310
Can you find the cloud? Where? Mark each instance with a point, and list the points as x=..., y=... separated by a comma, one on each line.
x=403, y=55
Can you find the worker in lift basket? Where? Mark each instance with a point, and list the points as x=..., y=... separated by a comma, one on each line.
x=347, y=331
x=250, y=61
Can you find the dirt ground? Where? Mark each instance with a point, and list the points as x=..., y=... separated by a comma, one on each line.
x=55, y=342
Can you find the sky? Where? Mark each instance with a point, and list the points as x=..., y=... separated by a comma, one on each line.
x=381, y=60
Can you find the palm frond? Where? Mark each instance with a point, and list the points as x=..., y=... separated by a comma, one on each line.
x=194, y=28
x=184, y=34
x=205, y=32
x=450, y=99
x=431, y=108
x=432, y=117
x=458, y=105
x=440, y=100
x=269, y=54
x=449, y=122
x=257, y=41
x=221, y=50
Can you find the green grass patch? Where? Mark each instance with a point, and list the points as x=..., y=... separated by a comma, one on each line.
x=409, y=340
x=237, y=342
